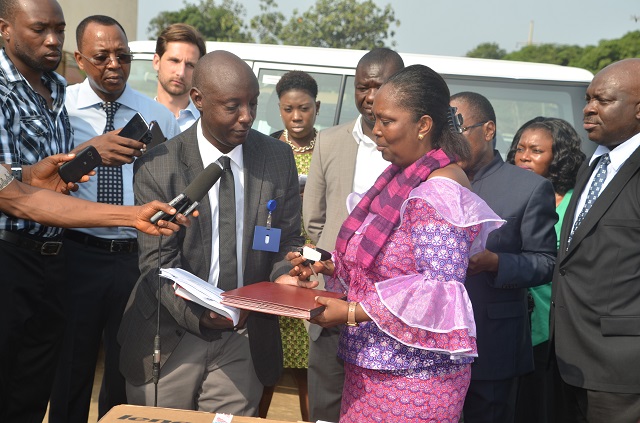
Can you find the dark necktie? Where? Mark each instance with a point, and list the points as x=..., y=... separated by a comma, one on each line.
x=227, y=228
x=110, y=177
x=594, y=191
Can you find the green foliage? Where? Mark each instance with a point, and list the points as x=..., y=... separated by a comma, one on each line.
x=609, y=51
x=547, y=53
x=487, y=51
x=268, y=25
x=216, y=23
x=357, y=24
x=341, y=24
x=592, y=58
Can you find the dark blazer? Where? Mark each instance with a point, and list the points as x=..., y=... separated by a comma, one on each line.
x=595, y=308
x=526, y=246
x=163, y=173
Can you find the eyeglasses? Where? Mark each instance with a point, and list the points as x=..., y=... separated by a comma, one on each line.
x=104, y=59
x=467, y=128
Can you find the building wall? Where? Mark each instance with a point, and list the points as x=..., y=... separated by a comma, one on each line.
x=124, y=11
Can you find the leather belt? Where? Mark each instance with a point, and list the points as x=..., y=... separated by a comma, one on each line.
x=111, y=245
x=45, y=246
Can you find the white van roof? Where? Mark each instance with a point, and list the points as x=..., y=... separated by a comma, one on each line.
x=348, y=59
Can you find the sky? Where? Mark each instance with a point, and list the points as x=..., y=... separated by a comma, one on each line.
x=453, y=27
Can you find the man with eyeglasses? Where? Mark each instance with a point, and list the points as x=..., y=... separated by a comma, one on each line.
x=519, y=255
x=104, y=260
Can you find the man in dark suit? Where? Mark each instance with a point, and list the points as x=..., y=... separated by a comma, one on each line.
x=595, y=308
x=519, y=255
x=207, y=364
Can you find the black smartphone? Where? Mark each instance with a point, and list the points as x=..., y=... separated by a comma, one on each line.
x=84, y=162
x=155, y=136
x=136, y=129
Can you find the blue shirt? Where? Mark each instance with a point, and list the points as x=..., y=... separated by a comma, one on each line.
x=188, y=116
x=88, y=120
x=29, y=130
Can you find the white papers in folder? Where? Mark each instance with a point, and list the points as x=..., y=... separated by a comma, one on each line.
x=192, y=288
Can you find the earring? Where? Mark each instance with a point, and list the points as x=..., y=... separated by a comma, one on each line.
x=420, y=137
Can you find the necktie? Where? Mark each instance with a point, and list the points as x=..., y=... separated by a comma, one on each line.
x=110, y=177
x=227, y=227
x=594, y=191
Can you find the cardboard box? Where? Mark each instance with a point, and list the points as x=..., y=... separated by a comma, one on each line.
x=135, y=413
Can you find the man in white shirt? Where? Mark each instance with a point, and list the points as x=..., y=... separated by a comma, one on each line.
x=178, y=49
x=206, y=363
x=104, y=260
x=344, y=160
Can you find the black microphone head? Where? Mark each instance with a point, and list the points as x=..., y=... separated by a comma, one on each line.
x=203, y=182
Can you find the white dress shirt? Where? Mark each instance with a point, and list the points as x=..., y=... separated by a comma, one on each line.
x=618, y=156
x=369, y=161
x=88, y=120
x=211, y=154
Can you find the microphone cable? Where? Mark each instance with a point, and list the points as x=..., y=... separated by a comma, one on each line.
x=155, y=372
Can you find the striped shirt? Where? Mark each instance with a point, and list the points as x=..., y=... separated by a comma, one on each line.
x=30, y=131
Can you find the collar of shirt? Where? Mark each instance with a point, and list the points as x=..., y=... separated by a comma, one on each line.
x=359, y=135
x=54, y=82
x=87, y=97
x=210, y=153
x=186, y=117
x=618, y=155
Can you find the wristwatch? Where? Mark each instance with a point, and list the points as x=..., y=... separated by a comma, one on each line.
x=16, y=171
x=351, y=314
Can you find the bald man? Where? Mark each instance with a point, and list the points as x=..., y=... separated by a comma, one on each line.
x=595, y=304
x=207, y=364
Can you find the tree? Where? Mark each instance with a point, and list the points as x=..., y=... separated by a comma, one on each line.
x=557, y=54
x=487, y=51
x=216, y=23
x=592, y=58
x=268, y=25
x=608, y=51
x=329, y=23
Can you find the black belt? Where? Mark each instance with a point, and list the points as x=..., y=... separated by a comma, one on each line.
x=45, y=246
x=111, y=245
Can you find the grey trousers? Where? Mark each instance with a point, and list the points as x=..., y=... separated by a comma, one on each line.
x=325, y=376
x=216, y=376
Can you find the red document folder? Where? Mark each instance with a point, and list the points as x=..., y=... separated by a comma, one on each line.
x=275, y=298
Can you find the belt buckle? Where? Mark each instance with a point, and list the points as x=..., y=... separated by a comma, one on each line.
x=50, y=248
x=118, y=246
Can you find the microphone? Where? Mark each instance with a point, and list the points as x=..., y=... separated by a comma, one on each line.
x=186, y=202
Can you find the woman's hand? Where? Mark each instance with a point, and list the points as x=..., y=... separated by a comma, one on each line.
x=334, y=314
x=293, y=280
x=303, y=269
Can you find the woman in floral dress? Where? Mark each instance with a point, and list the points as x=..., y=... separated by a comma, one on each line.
x=401, y=259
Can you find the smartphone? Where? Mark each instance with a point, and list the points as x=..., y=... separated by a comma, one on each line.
x=155, y=136
x=136, y=129
x=83, y=163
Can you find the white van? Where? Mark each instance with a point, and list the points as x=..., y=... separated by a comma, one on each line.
x=518, y=91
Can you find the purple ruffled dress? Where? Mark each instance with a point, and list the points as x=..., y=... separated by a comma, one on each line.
x=412, y=361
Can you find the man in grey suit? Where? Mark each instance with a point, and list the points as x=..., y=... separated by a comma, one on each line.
x=344, y=160
x=519, y=255
x=207, y=364
x=595, y=307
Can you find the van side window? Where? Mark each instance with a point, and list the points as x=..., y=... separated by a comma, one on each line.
x=268, y=116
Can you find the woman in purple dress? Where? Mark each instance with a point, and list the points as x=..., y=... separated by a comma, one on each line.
x=401, y=258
